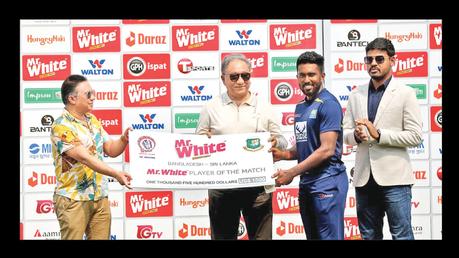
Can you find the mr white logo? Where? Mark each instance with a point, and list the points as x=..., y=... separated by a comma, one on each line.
x=86, y=39
x=286, y=201
x=138, y=94
x=143, y=206
x=35, y=67
x=284, y=37
x=186, y=38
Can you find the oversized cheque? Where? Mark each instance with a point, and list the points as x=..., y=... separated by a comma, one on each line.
x=165, y=160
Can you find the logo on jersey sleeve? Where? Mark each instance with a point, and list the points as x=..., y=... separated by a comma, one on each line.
x=301, y=131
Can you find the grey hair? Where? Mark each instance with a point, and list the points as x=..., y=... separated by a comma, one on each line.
x=232, y=57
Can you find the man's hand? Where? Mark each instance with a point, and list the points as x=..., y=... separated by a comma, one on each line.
x=283, y=177
x=277, y=154
x=371, y=128
x=359, y=131
x=124, y=179
x=273, y=141
x=125, y=136
x=208, y=133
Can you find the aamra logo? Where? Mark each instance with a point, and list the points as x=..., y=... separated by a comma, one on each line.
x=253, y=144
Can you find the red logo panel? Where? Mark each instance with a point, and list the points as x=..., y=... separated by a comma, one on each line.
x=285, y=91
x=96, y=39
x=410, y=64
x=435, y=32
x=149, y=204
x=435, y=118
x=45, y=67
x=292, y=36
x=147, y=94
x=258, y=60
x=110, y=120
x=285, y=200
x=194, y=38
x=146, y=66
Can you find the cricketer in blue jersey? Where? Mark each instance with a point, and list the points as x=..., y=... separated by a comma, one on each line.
x=319, y=141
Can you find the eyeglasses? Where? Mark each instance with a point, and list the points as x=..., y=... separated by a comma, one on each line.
x=378, y=59
x=234, y=77
x=88, y=94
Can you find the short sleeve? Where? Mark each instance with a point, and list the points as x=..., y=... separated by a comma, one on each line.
x=331, y=116
x=64, y=138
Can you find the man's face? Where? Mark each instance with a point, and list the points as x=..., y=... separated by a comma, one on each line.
x=237, y=79
x=379, y=64
x=310, y=79
x=85, y=96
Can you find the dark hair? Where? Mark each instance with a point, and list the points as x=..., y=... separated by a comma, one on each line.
x=381, y=44
x=311, y=57
x=69, y=85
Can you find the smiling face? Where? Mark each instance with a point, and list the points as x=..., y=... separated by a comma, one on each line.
x=310, y=79
x=379, y=70
x=238, y=88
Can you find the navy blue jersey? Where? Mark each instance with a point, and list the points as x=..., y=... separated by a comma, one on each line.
x=322, y=114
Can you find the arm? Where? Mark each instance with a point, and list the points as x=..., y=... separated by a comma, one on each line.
x=81, y=154
x=349, y=125
x=203, y=126
x=113, y=148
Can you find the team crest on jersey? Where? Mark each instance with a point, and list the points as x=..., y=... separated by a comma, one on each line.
x=313, y=114
x=301, y=131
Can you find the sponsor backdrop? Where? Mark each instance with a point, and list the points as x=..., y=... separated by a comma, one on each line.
x=157, y=74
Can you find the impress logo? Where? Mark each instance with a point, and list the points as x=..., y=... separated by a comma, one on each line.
x=194, y=38
x=146, y=66
x=186, y=120
x=410, y=64
x=436, y=39
x=292, y=36
x=147, y=94
x=45, y=67
x=351, y=229
x=96, y=39
x=286, y=201
x=285, y=91
x=436, y=118
x=110, y=120
x=258, y=61
x=193, y=231
x=147, y=232
x=149, y=204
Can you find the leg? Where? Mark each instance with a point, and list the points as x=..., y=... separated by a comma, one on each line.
x=397, y=200
x=258, y=215
x=307, y=213
x=329, y=197
x=100, y=222
x=73, y=217
x=224, y=214
x=370, y=210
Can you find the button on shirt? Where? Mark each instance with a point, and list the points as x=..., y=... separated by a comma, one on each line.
x=374, y=97
x=223, y=116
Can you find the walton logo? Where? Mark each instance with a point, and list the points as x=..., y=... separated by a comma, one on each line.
x=244, y=41
x=243, y=34
x=438, y=91
x=146, y=231
x=44, y=206
x=196, y=90
x=97, y=65
x=147, y=120
x=185, y=148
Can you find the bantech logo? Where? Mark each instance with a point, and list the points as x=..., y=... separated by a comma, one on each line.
x=146, y=66
x=292, y=36
x=96, y=39
x=46, y=122
x=45, y=67
x=195, y=38
x=147, y=94
x=353, y=37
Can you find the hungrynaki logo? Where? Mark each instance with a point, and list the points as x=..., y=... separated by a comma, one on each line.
x=149, y=204
x=146, y=232
x=292, y=36
x=96, y=39
x=45, y=206
x=45, y=67
x=285, y=91
x=194, y=38
x=436, y=39
x=436, y=118
x=186, y=149
x=193, y=231
x=286, y=201
x=146, y=66
x=410, y=64
x=147, y=94
x=193, y=203
x=258, y=61
x=110, y=120
x=351, y=229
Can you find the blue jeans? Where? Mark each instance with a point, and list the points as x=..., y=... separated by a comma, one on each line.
x=322, y=204
x=373, y=201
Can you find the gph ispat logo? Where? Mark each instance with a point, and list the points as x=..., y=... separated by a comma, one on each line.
x=193, y=231
x=147, y=232
x=436, y=118
x=44, y=206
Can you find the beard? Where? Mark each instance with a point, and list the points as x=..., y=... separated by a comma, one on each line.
x=313, y=91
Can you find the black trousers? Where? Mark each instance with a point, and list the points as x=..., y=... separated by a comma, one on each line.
x=225, y=206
